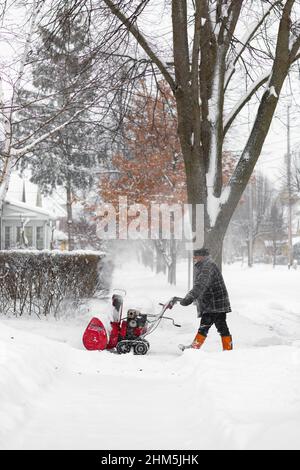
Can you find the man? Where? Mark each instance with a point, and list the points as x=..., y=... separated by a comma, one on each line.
x=212, y=298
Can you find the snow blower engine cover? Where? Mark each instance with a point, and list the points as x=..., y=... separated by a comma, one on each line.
x=134, y=326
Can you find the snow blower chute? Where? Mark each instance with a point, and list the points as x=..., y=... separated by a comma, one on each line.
x=127, y=333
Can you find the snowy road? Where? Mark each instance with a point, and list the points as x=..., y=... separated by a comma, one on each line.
x=56, y=395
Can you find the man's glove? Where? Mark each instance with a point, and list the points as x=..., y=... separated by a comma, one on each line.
x=186, y=301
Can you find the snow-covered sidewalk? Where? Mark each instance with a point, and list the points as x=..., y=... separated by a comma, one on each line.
x=56, y=395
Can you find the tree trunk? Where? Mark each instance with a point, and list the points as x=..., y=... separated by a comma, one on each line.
x=70, y=217
x=214, y=243
x=274, y=254
x=160, y=262
x=250, y=253
x=173, y=265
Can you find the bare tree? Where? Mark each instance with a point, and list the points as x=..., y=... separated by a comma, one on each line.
x=276, y=225
x=206, y=56
x=296, y=174
x=250, y=219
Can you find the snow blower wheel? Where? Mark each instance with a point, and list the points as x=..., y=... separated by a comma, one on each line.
x=123, y=347
x=141, y=347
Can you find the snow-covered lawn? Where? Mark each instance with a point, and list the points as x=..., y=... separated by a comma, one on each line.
x=56, y=395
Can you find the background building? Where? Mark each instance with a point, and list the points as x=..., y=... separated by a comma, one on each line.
x=28, y=220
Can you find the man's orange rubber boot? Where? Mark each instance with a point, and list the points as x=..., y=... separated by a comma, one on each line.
x=227, y=343
x=198, y=341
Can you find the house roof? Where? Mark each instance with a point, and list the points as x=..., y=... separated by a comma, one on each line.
x=28, y=208
x=21, y=188
x=296, y=203
x=296, y=240
x=270, y=243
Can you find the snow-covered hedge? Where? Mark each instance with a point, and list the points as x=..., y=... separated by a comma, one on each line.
x=43, y=282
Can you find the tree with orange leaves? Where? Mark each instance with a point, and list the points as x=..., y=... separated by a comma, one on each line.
x=151, y=170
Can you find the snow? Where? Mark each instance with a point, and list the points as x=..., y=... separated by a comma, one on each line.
x=28, y=251
x=213, y=203
x=272, y=92
x=28, y=207
x=56, y=395
x=15, y=194
x=213, y=206
x=59, y=235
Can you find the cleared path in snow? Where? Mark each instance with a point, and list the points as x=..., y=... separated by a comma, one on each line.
x=248, y=398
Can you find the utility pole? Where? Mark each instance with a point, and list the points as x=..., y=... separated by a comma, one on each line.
x=289, y=183
x=189, y=270
x=250, y=206
x=251, y=226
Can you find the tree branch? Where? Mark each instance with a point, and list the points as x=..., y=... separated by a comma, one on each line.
x=255, y=87
x=180, y=43
x=244, y=169
x=295, y=49
x=142, y=42
x=246, y=41
x=237, y=109
x=18, y=153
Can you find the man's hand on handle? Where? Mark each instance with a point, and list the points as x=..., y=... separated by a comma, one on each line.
x=188, y=300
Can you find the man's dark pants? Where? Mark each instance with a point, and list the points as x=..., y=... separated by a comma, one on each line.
x=217, y=319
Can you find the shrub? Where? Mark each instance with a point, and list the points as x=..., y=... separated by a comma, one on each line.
x=42, y=282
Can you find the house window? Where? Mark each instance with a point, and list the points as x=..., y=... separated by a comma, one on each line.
x=29, y=236
x=40, y=238
x=19, y=241
x=7, y=243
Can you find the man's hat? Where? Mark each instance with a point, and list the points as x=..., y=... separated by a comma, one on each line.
x=201, y=252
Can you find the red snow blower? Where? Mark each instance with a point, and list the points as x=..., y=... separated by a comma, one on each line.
x=126, y=333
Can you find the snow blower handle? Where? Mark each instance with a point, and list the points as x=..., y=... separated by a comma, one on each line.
x=174, y=301
x=171, y=303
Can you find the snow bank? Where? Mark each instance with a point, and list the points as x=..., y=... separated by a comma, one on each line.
x=27, y=366
x=267, y=296
x=252, y=396
x=51, y=389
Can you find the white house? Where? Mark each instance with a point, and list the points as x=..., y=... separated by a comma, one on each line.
x=28, y=219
